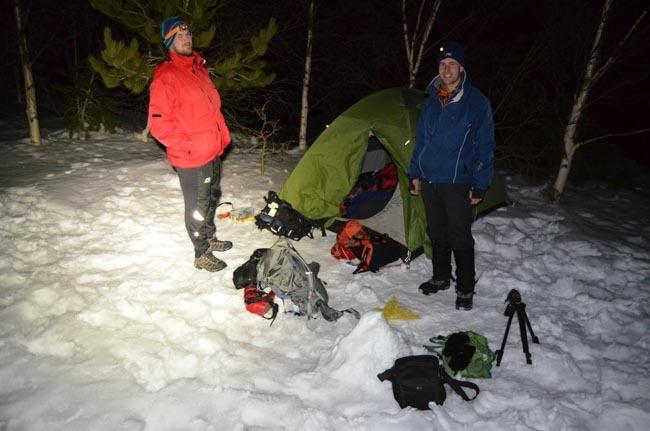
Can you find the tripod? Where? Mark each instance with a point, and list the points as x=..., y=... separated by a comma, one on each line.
x=515, y=305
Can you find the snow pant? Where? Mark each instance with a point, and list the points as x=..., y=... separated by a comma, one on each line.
x=201, y=192
x=449, y=226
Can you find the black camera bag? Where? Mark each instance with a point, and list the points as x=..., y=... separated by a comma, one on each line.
x=282, y=219
x=418, y=380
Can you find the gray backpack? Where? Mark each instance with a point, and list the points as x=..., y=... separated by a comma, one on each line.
x=283, y=270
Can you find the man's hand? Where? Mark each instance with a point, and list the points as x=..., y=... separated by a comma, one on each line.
x=472, y=200
x=415, y=187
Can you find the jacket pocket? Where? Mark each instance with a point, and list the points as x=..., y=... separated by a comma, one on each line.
x=204, y=146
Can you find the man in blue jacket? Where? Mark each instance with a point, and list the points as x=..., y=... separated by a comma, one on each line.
x=451, y=169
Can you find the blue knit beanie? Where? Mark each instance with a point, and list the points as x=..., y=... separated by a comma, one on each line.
x=166, y=28
x=451, y=50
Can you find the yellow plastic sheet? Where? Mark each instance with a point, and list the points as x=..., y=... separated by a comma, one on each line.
x=394, y=311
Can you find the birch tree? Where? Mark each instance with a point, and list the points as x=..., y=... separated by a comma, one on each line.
x=594, y=71
x=304, y=110
x=30, y=89
x=415, y=39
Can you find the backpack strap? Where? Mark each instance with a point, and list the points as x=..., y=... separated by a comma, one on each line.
x=331, y=315
x=367, y=242
x=321, y=226
x=458, y=385
x=386, y=375
x=437, y=344
x=366, y=254
x=363, y=241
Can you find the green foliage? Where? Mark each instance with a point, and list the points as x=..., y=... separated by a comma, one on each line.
x=144, y=18
x=122, y=64
x=247, y=69
x=202, y=39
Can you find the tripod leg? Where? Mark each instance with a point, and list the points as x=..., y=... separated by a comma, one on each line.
x=503, y=343
x=530, y=329
x=521, y=318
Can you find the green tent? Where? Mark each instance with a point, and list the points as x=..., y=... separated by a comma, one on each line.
x=330, y=168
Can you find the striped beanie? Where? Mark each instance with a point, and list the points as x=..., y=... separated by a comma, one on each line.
x=168, y=29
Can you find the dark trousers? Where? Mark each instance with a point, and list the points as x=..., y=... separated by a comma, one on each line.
x=449, y=226
x=201, y=192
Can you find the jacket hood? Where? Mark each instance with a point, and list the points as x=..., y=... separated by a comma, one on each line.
x=434, y=85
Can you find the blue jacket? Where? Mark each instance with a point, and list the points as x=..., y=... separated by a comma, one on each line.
x=455, y=143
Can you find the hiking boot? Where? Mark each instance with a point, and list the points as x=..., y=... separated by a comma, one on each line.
x=209, y=262
x=464, y=300
x=218, y=245
x=434, y=286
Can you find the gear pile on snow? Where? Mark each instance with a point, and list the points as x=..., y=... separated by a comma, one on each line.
x=280, y=273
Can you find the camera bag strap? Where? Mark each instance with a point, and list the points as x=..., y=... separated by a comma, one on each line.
x=458, y=385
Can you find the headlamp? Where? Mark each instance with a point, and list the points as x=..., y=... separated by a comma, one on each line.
x=176, y=29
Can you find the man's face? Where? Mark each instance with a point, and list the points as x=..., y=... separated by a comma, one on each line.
x=182, y=42
x=449, y=70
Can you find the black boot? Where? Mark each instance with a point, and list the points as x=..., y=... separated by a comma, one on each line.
x=433, y=286
x=441, y=260
x=464, y=301
x=465, y=278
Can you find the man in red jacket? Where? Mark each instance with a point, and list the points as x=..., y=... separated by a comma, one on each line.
x=185, y=116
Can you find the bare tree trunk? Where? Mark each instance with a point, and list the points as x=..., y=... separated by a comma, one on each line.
x=30, y=90
x=304, y=111
x=19, y=85
x=592, y=75
x=418, y=39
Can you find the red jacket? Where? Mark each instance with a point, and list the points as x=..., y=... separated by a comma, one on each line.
x=185, y=112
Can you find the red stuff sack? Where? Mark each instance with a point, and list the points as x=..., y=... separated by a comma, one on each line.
x=261, y=303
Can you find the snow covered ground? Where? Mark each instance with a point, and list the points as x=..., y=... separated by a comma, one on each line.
x=106, y=325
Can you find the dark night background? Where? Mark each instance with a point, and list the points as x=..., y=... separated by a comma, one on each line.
x=526, y=56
